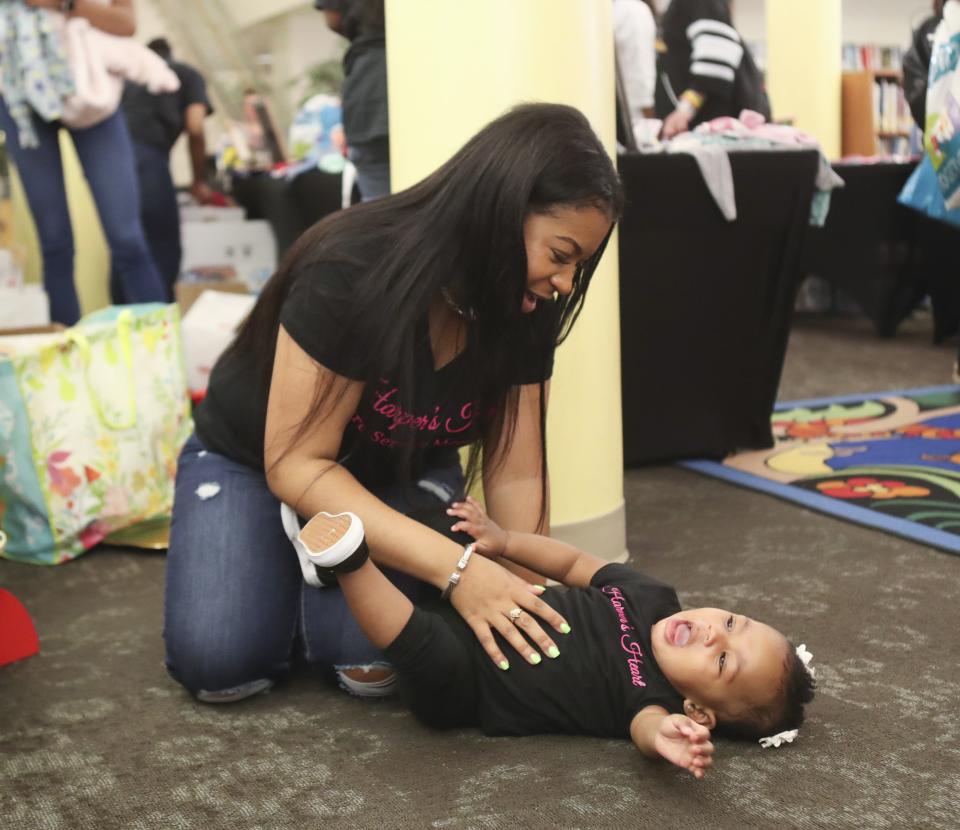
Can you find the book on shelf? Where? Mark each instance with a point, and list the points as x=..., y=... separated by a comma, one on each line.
x=872, y=58
x=891, y=114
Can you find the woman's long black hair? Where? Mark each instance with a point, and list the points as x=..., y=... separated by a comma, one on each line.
x=460, y=228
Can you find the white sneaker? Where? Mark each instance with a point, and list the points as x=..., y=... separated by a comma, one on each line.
x=326, y=543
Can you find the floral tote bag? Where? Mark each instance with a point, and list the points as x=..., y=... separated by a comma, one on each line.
x=92, y=420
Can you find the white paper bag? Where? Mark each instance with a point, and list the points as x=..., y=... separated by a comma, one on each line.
x=24, y=306
x=942, y=134
x=208, y=328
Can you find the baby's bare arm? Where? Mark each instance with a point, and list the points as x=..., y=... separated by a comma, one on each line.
x=551, y=557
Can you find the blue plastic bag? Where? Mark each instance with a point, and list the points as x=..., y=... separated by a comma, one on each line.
x=923, y=193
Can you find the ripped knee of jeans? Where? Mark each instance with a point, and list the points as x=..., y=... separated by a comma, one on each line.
x=372, y=680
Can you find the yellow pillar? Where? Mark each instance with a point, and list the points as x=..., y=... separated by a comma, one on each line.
x=804, y=66
x=453, y=67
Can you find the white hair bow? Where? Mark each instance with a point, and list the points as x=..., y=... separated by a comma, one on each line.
x=805, y=657
x=779, y=738
x=787, y=737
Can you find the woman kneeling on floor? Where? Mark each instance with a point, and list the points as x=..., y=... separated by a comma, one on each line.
x=392, y=334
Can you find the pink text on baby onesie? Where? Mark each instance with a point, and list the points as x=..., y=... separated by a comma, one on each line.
x=627, y=641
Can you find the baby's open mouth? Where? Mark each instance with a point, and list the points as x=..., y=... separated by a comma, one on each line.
x=678, y=632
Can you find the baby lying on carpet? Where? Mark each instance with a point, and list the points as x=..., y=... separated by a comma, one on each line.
x=631, y=663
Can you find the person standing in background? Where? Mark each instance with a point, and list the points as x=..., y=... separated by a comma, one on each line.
x=365, y=118
x=916, y=65
x=635, y=42
x=706, y=71
x=106, y=157
x=156, y=122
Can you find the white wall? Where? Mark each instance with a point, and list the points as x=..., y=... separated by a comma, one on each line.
x=883, y=22
x=149, y=22
x=750, y=18
x=250, y=12
x=296, y=40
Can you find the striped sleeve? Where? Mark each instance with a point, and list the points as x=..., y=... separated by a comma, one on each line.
x=716, y=53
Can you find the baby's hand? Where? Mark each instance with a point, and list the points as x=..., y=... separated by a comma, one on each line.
x=491, y=539
x=685, y=743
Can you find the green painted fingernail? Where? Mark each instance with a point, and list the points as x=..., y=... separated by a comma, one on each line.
x=553, y=652
x=503, y=664
x=542, y=587
x=565, y=628
x=535, y=658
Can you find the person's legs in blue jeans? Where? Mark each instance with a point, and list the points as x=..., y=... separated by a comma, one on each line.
x=106, y=154
x=233, y=583
x=160, y=217
x=41, y=172
x=235, y=593
x=234, y=589
x=159, y=212
x=373, y=169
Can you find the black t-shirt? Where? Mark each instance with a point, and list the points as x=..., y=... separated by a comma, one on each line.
x=317, y=314
x=158, y=120
x=606, y=671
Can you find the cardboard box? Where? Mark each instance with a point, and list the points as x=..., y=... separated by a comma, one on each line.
x=52, y=328
x=187, y=293
x=207, y=329
x=29, y=337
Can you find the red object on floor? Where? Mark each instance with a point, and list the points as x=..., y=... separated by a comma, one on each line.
x=18, y=637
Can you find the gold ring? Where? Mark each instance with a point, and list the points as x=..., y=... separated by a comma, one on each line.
x=514, y=614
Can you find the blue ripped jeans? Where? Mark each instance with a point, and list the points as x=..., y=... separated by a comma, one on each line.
x=235, y=597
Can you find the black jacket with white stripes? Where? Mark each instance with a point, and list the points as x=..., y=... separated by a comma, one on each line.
x=705, y=53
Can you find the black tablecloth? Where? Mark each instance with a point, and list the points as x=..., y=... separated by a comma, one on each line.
x=705, y=305
x=883, y=255
x=867, y=247
x=289, y=205
x=937, y=263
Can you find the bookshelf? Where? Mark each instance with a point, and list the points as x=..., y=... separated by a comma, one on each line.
x=876, y=119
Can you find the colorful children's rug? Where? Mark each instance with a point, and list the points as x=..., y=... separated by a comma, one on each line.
x=890, y=461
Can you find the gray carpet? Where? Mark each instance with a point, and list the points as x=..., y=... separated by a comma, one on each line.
x=93, y=734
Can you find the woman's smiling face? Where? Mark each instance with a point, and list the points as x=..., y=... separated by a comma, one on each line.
x=558, y=241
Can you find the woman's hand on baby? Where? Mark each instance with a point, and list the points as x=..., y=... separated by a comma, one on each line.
x=490, y=539
x=485, y=597
x=686, y=743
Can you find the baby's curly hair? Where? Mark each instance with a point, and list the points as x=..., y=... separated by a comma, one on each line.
x=784, y=712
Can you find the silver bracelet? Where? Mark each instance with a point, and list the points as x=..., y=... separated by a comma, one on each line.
x=454, y=578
